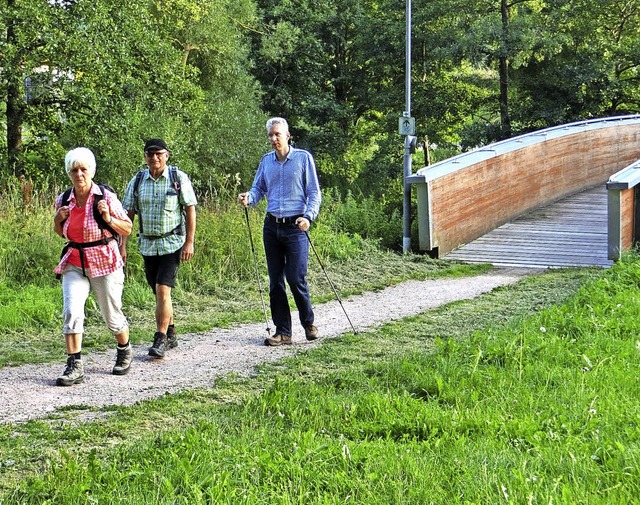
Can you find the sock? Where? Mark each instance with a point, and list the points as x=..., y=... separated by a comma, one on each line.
x=124, y=346
x=171, y=329
x=77, y=355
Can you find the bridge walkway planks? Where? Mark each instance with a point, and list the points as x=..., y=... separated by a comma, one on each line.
x=569, y=233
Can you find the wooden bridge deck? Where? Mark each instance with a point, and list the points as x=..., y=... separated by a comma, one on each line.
x=569, y=233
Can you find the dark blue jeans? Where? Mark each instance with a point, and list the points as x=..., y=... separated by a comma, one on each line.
x=287, y=250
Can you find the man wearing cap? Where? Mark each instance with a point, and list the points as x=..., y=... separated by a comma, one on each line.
x=163, y=198
x=287, y=178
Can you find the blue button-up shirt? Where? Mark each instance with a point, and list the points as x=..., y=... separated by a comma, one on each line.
x=291, y=187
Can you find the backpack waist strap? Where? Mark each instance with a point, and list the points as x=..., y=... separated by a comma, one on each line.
x=81, y=246
x=176, y=231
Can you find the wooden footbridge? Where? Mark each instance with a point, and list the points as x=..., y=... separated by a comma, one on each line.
x=560, y=197
x=569, y=233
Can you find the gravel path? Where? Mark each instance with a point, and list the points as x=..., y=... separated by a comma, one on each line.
x=29, y=391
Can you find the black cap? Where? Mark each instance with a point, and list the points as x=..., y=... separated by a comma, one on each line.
x=155, y=145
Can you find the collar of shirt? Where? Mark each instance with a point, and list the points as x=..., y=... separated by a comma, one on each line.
x=95, y=190
x=165, y=174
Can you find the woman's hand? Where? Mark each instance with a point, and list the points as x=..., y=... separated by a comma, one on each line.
x=61, y=214
x=58, y=219
x=103, y=208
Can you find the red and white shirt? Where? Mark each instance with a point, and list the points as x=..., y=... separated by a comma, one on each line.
x=82, y=227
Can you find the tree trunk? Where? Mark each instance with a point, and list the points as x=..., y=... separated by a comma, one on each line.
x=15, y=114
x=15, y=107
x=505, y=120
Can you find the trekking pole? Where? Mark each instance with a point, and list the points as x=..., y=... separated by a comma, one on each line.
x=335, y=291
x=255, y=262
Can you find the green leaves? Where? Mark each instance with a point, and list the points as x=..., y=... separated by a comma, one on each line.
x=109, y=73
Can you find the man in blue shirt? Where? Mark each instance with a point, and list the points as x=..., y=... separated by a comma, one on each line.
x=287, y=178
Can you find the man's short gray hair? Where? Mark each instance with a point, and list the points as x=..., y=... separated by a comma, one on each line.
x=277, y=120
x=80, y=156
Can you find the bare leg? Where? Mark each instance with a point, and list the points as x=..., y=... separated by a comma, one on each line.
x=73, y=342
x=164, y=308
x=123, y=337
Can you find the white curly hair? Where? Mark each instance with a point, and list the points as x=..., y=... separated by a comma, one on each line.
x=80, y=156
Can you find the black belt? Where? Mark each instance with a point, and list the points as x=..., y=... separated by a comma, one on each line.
x=283, y=220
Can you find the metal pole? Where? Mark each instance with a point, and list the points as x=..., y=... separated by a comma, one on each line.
x=406, y=206
x=335, y=291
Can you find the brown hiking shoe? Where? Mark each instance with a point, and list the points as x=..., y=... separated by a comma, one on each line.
x=277, y=340
x=311, y=332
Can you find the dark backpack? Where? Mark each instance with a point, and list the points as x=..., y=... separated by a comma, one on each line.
x=175, y=182
x=102, y=224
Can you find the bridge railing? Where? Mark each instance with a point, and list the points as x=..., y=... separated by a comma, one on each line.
x=623, y=211
x=465, y=197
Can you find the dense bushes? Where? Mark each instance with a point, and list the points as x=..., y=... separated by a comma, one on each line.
x=29, y=248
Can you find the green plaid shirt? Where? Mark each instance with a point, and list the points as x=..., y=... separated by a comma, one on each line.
x=158, y=210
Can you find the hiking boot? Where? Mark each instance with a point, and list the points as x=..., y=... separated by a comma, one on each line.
x=311, y=332
x=73, y=374
x=172, y=338
x=123, y=360
x=159, y=345
x=278, y=340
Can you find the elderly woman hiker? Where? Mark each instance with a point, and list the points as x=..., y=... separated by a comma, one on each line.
x=90, y=216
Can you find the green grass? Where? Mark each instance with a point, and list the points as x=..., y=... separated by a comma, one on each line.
x=527, y=394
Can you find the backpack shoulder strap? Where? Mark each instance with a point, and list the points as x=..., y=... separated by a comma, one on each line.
x=175, y=182
x=173, y=177
x=66, y=196
x=102, y=224
x=136, y=183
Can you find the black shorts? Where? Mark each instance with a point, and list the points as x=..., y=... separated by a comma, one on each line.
x=162, y=269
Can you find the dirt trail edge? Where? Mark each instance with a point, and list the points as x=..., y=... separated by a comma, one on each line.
x=29, y=391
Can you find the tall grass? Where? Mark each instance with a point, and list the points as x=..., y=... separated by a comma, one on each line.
x=217, y=287
x=366, y=217
x=29, y=248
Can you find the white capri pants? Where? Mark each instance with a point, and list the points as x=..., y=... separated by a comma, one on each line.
x=108, y=292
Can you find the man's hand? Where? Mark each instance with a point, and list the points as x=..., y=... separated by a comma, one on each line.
x=303, y=223
x=187, y=251
x=243, y=199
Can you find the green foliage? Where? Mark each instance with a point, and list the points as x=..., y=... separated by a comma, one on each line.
x=29, y=248
x=31, y=307
x=109, y=74
x=592, y=70
x=364, y=217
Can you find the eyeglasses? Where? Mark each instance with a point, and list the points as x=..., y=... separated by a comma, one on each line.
x=159, y=154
